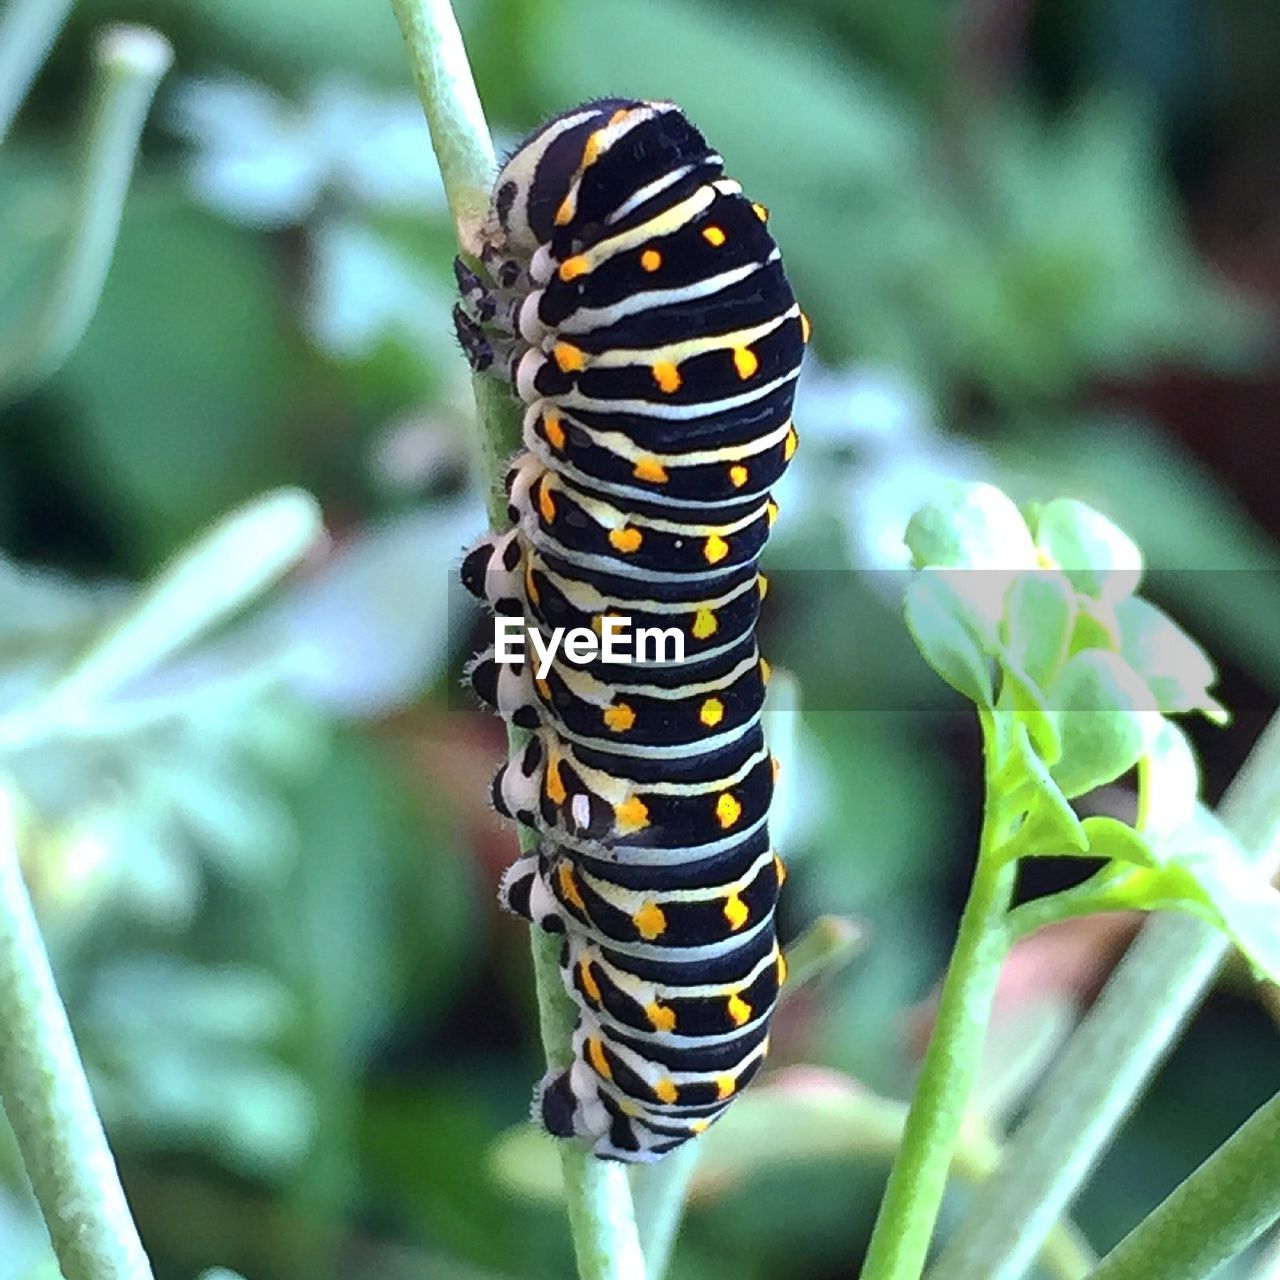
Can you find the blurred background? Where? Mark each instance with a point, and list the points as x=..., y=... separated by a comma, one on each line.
x=1040, y=243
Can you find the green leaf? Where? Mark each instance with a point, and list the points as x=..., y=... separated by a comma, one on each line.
x=1050, y=827
x=1096, y=626
x=1177, y=671
x=1100, y=703
x=970, y=526
x=945, y=642
x=174, y=412
x=1247, y=904
x=1031, y=708
x=1111, y=838
x=1099, y=558
x=1170, y=783
x=1039, y=617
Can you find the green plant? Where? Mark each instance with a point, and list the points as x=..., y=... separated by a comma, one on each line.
x=1073, y=677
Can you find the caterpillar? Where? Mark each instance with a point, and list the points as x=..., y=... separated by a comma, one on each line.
x=638, y=305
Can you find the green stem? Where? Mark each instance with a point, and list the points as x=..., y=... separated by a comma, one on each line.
x=128, y=65
x=224, y=570
x=1066, y=1254
x=1126, y=1035
x=597, y=1192
x=47, y=1099
x=660, y=1189
x=918, y=1179
x=660, y=1192
x=1221, y=1209
x=28, y=29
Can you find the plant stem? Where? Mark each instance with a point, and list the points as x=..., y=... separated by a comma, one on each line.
x=47, y=1098
x=451, y=103
x=237, y=559
x=660, y=1191
x=597, y=1192
x=918, y=1179
x=1221, y=1209
x=128, y=65
x=28, y=29
x=1088, y=1093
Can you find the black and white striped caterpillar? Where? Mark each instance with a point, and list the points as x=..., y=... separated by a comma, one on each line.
x=638, y=304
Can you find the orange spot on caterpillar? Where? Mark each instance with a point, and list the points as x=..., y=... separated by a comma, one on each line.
x=736, y=912
x=650, y=921
x=631, y=815
x=745, y=361
x=650, y=260
x=546, y=504
x=705, y=624
x=626, y=540
x=568, y=358
x=591, y=152
x=588, y=980
x=728, y=810
x=572, y=268
x=667, y=376
x=715, y=549
x=619, y=718
x=665, y=1090
x=739, y=1010
x=738, y=475
x=714, y=236
x=711, y=712
x=555, y=783
x=661, y=1018
x=651, y=470
x=554, y=429
x=569, y=887
x=595, y=1054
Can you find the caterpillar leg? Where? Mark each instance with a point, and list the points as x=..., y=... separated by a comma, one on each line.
x=573, y=1104
x=507, y=687
x=517, y=786
x=491, y=571
x=485, y=319
x=524, y=893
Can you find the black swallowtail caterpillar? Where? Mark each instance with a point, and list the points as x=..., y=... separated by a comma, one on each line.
x=638, y=304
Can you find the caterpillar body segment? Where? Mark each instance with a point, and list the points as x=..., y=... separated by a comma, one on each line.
x=638, y=305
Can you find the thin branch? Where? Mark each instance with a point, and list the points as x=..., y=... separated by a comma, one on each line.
x=28, y=29
x=918, y=1179
x=1090, y=1090
x=236, y=560
x=128, y=65
x=1218, y=1212
x=47, y=1098
x=597, y=1192
x=660, y=1193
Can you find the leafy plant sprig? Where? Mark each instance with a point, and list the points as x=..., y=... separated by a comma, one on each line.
x=1036, y=621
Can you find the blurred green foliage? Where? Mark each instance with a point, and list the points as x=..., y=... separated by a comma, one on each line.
x=271, y=907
